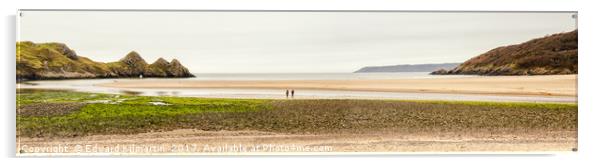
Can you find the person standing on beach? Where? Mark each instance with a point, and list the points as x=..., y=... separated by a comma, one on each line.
x=287, y=93
x=293, y=93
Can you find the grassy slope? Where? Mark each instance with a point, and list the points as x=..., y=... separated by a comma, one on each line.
x=31, y=58
x=134, y=114
x=553, y=54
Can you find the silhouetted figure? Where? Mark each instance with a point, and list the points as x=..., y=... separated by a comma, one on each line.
x=287, y=93
x=293, y=93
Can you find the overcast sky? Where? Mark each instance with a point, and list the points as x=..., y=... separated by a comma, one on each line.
x=277, y=42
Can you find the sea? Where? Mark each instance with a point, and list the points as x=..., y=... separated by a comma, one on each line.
x=317, y=76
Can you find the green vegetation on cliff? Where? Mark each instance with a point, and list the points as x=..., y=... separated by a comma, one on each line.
x=57, y=61
x=554, y=54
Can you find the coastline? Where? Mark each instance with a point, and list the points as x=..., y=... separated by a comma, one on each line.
x=548, y=85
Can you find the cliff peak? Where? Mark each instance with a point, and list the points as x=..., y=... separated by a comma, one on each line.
x=133, y=56
x=160, y=61
x=176, y=68
x=175, y=62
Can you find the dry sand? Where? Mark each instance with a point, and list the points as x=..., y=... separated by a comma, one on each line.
x=188, y=141
x=552, y=85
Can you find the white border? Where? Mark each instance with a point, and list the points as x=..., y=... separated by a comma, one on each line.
x=589, y=79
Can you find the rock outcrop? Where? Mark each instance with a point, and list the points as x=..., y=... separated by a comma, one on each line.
x=175, y=68
x=162, y=68
x=132, y=65
x=57, y=61
x=554, y=54
x=67, y=51
x=158, y=69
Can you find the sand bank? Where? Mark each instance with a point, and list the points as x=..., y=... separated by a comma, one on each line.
x=551, y=85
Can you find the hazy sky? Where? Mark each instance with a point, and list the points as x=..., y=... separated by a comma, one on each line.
x=270, y=42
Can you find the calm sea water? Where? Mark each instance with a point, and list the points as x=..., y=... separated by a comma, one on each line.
x=316, y=76
x=90, y=85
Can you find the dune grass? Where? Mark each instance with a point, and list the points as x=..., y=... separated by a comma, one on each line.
x=126, y=114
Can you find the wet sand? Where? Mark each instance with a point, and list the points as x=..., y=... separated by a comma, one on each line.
x=551, y=85
x=188, y=141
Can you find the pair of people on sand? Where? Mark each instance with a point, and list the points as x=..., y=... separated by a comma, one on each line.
x=292, y=93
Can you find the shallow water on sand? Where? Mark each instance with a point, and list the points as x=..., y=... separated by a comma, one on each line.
x=91, y=85
x=317, y=76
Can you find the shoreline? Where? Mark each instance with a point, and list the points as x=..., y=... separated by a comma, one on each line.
x=191, y=141
x=549, y=85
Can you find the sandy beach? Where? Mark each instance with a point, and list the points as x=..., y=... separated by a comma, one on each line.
x=132, y=125
x=549, y=85
x=188, y=141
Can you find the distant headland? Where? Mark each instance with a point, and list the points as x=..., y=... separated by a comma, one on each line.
x=407, y=68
